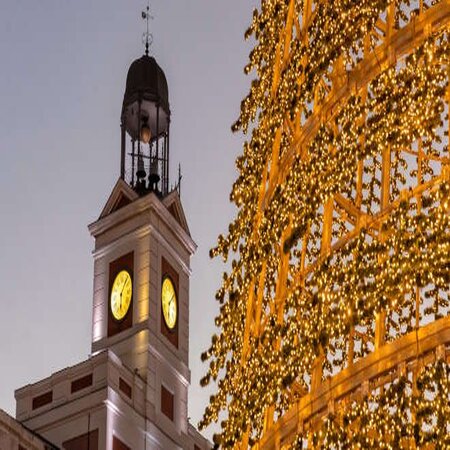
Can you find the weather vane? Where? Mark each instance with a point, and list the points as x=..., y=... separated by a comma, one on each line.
x=147, y=36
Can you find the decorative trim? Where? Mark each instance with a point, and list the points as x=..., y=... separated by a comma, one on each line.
x=173, y=199
x=139, y=206
x=119, y=188
x=185, y=381
x=139, y=233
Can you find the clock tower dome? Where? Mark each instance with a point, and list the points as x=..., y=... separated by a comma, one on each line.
x=132, y=393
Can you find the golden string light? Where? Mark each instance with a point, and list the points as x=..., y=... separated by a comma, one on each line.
x=341, y=242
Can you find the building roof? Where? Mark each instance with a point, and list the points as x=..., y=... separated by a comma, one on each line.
x=13, y=430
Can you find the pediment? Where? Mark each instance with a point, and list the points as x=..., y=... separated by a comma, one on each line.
x=173, y=204
x=121, y=195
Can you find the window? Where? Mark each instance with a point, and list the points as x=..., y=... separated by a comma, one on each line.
x=167, y=403
x=119, y=445
x=43, y=399
x=81, y=383
x=87, y=441
x=125, y=387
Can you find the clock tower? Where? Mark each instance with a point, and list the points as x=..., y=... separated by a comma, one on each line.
x=142, y=251
x=132, y=393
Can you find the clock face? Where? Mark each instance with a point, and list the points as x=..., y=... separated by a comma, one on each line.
x=169, y=303
x=121, y=292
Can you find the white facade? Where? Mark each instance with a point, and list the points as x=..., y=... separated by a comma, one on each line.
x=134, y=387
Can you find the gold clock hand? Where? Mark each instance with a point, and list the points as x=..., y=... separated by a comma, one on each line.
x=121, y=292
x=171, y=310
x=123, y=287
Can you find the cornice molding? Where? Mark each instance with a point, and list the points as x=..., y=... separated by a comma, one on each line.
x=184, y=379
x=148, y=203
x=141, y=232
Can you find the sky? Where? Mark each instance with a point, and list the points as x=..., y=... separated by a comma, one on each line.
x=63, y=65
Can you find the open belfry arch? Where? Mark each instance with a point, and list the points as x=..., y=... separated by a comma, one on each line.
x=334, y=326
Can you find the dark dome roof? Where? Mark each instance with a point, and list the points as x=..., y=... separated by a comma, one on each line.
x=147, y=81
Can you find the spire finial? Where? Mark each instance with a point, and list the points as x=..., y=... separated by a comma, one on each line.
x=147, y=37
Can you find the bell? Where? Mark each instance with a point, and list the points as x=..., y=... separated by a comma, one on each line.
x=140, y=168
x=154, y=167
x=154, y=176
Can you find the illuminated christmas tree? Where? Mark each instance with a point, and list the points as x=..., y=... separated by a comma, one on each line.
x=334, y=324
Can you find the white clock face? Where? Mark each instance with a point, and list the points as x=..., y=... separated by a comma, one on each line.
x=169, y=303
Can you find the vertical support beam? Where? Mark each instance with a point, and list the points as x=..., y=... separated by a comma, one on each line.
x=316, y=378
x=133, y=154
x=168, y=156
x=419, y=208
x=385, y=177
x=300, y=276
x=307, y=8
x=139, y=130
x=275, y=157
x=417, y=367
x=390, y=19
x=288, y=32
x=317, y=366
x=278, y=305
x=122, y=148
x=380, y=317
x=158, y=159
x=358, y=202
x=285, y=37
x=327, y=227
x=446, y=166
x=249, y=312
x=359, y=184
x=259, y=300
x=248, y=322
x=163, y=170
